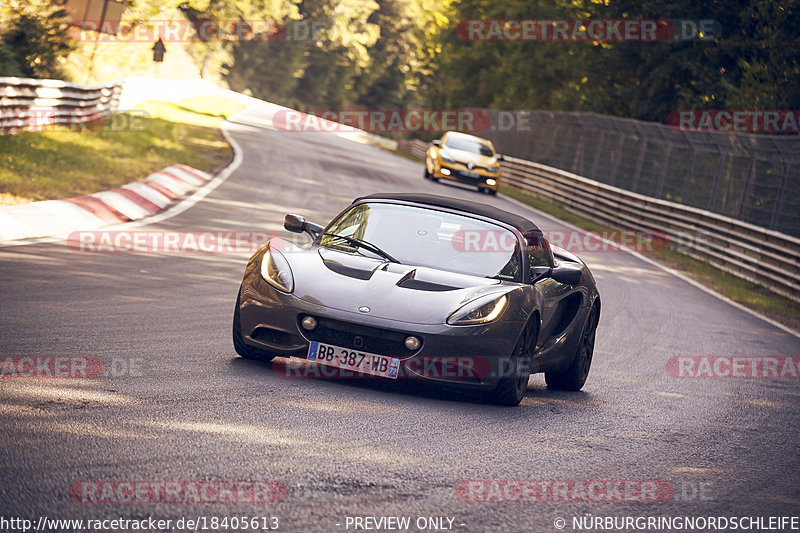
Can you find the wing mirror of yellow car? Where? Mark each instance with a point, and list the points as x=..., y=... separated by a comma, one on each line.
x=500, y=157
x=437, y=142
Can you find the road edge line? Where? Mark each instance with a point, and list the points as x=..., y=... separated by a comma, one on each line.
x=199, y=194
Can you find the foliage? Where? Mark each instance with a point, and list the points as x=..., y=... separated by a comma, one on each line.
x=33, y=39
x=403, y=54
x=751, y=64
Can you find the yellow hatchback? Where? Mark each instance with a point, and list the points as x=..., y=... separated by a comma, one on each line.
x=466, y=159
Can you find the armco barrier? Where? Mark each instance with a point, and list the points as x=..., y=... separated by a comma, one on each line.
x=414, y=147
x=766, y=257
x=30, y=104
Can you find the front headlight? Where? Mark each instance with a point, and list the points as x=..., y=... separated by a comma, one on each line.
x=478, y=311
x=276, y=271
x=492, y=169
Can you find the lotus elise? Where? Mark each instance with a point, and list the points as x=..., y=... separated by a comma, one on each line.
x=424, y=287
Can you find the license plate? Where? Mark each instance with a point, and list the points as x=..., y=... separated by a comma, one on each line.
x=469, y=174
x=353, y=360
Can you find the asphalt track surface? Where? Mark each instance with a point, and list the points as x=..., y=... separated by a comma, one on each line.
x=192, y=410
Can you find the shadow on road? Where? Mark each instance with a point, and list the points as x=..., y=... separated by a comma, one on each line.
x=538, y=394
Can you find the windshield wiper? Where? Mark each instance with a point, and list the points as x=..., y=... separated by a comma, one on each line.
x=363, y=244
x=503, y=277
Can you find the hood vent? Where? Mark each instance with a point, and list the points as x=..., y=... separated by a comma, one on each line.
x=349, y=265
x=409, y=282
x=351, y=272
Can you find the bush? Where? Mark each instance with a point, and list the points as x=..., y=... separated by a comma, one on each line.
x=34, y=39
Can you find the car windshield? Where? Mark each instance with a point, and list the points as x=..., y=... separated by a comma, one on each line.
x=469, y=144
x=429, y=238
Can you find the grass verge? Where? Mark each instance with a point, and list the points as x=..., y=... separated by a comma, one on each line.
x=404, y=155
x=753, y=296
x=61, y=162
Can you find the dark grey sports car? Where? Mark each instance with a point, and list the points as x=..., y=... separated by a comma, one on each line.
x=425, y=287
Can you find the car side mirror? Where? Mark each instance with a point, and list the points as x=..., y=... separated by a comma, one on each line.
x=500, y=157
x=294, y=223
x=437, y=142
x=566, y=275
x=298, y=224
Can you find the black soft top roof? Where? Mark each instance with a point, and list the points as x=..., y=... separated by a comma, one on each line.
x=519, y=222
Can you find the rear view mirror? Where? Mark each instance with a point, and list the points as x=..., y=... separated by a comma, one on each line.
x=566, y=275
x=298, y=224
x=294, y=223
x=500, y=157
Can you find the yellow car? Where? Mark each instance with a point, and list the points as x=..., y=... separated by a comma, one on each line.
x=466, y=159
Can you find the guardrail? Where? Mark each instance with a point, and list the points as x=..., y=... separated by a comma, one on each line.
x=31, y=104
x=414, y=147
x=752, y=177
x=762, y=256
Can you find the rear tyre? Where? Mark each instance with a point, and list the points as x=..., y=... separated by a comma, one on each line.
x=242, y=348
x=427, y=174
x=575, y=376
x=511, y=390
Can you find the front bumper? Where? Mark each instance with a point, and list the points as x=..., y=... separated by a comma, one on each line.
x=477, y=177
x=474, y=356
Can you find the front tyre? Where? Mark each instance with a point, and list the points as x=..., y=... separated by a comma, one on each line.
x=241, y=347
x=511, y=389
x=575, y=376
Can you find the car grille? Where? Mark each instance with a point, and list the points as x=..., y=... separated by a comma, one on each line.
x=475, y=168
x=462, y=174
x=359, y=337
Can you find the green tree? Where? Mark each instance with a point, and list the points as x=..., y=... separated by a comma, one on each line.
x=359, y=53
x=314, y=65
x=33, y=39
